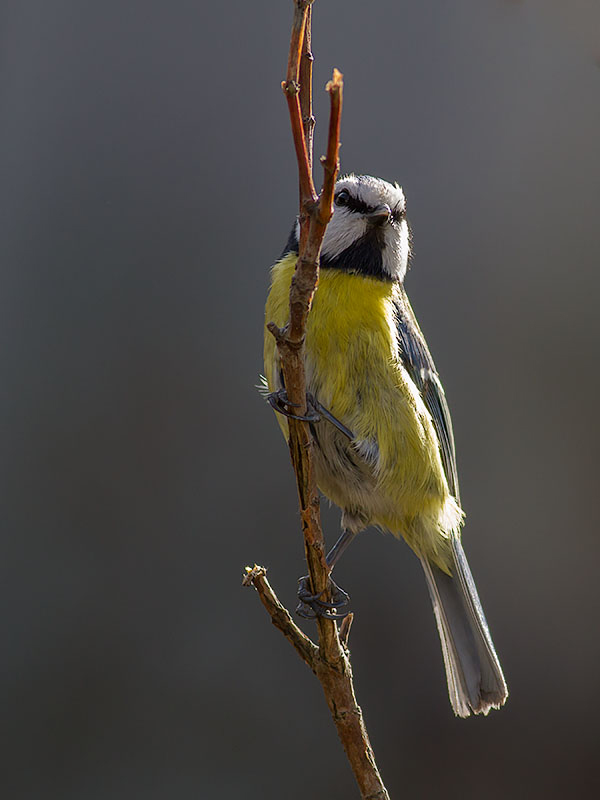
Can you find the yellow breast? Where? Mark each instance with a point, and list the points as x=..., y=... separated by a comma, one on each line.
x=354, y=369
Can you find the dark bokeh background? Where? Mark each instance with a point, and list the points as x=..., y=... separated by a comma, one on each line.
x=147, y=182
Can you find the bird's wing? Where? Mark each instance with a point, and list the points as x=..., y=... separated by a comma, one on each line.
x=417, y=360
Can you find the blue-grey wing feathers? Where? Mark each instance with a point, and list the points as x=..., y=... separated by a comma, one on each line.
x=475, y=679
x=419, y=364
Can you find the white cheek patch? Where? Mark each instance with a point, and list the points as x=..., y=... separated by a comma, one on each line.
x=404, y=247
x=343, y=230
x=396, y=251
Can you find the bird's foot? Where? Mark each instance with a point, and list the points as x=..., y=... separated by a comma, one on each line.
x=279, y=401
x=311, y=606
x=314, y=410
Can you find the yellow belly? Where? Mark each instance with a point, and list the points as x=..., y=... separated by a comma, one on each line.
x=393, y=474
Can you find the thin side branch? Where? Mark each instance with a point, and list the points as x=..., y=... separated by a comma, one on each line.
x=291, y=89
x=338, y=687
x=306, y=64
x=331, y=162
x=280, y=617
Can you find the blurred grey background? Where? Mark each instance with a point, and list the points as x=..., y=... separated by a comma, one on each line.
x=147, y=182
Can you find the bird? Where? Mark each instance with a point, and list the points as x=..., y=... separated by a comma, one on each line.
x=382, y=434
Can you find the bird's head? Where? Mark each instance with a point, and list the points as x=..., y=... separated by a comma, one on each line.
x=368, y=233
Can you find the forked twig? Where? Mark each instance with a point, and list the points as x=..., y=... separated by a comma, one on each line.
x=330, y=660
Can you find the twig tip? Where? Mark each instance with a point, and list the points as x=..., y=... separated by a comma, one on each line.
x=278, y=333
x=252, y=573
x=345, y=629
x=336, y=82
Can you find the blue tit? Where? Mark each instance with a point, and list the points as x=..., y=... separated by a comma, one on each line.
x=384, y=447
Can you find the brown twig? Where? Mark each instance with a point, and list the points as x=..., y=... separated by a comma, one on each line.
x=280, y=617
x=345, y=629
x=291, y=89
x=338, y=687
x=330, y=660
x=306, y=62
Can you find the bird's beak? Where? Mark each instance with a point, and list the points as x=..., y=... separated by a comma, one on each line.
x=380, y=215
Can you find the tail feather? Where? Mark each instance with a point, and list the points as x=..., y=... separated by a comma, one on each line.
x=475, y=679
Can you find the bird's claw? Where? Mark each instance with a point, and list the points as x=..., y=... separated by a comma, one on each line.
x=279, y=401
x=315, y=412
x=311, y=606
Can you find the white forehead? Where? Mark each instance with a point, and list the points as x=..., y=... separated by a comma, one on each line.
x=372, y=191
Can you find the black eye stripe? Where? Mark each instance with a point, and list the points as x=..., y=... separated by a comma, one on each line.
x=360, y=207
x=399, y=213
x=353, y=203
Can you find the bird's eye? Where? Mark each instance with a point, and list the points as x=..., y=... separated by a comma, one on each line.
x=342, y=198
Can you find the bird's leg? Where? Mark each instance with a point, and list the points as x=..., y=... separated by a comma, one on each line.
x=334, y=555
x=310, y=605
x=326, y=414
x=314, y=410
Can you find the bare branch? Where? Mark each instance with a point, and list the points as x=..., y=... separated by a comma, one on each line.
x=291, y=351
x=336, y=680
x=306, y=62
x=330, y=660
x=331, y=162
x=291, y=89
